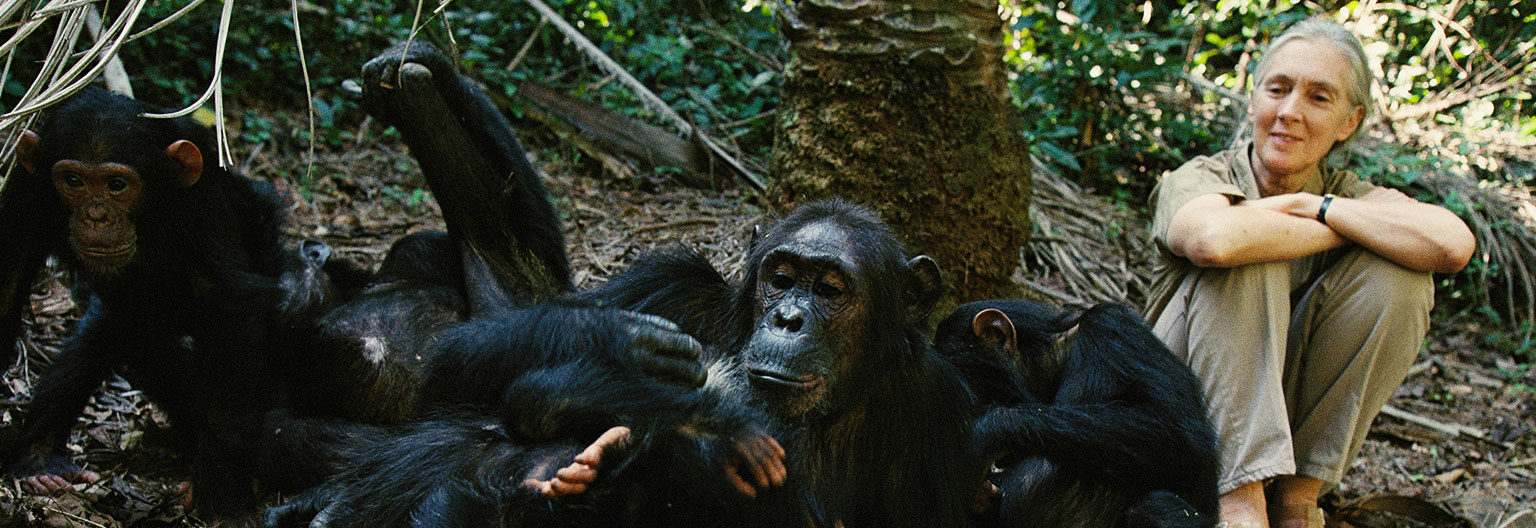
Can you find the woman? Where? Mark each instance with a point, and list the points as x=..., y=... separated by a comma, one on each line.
x=1298, y=294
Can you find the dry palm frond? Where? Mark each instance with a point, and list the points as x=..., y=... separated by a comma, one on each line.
x=1084, y=250
x=1503, y=218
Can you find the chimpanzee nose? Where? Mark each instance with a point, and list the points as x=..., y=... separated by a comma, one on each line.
x=788, y=319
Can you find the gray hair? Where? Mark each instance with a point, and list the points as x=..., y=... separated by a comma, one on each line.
x=1357, y=87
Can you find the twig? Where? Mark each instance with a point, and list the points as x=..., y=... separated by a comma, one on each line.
x=647, y=98
x=532, y=37
x=679, y=223
x=309, y=95
x=1451, y=430
x=115, y=75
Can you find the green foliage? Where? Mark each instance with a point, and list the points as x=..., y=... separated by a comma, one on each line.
x=1083, y=72
x=703, y=62
x=1100, y=84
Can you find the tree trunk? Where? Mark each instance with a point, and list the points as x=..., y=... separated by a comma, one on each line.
x=904, y=106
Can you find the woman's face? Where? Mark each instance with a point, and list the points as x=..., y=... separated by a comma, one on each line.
x=1301, y=107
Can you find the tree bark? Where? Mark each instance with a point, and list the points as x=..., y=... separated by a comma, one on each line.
x=904, y=107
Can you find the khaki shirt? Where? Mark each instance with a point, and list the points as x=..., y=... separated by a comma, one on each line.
x=1228, y=173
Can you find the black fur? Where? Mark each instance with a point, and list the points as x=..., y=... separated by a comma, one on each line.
x=1106, y=429
x=204, y=275
x=888, y=442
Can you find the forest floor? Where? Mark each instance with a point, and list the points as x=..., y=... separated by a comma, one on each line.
x=1476, y=458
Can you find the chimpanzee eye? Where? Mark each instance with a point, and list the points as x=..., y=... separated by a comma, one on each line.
x=822, y=289
x=780, y=281
x=117, y=186
x=73, y=180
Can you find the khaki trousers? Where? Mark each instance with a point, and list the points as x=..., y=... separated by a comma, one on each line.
x=1297, y=358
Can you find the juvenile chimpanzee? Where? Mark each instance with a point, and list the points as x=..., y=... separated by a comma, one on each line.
x=1092, y=421
x=826, y=335
x=176, y=261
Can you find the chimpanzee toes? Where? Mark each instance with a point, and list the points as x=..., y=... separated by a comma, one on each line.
x=414, y=76
x=383, y=69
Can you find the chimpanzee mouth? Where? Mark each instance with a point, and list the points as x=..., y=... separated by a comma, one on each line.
x=775, y=379
x=105, y=252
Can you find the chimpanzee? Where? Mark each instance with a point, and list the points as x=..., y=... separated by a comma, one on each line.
x=362, y=350
x=365, y=352
x=489, y=193
x=513, y=401
x=176, y=262
x=1092, y=421
x=826, y=335
x=439, y=337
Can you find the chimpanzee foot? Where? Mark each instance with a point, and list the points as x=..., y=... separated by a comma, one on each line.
x=48, y=473
x=51, y=484
x=406, y=87
x=757, y=464
x=574, y=479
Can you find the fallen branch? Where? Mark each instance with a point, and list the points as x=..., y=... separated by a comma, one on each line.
x=647, y=98
x=1448, y=429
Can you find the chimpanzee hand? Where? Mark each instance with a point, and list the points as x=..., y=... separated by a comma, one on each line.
x=757, y=462
x=997, y=433
x=46, y=472
x=662, y=350
x=312, y=507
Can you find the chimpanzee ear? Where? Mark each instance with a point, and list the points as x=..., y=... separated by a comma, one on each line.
x=757, y=236
x=190, y=158
x=924, y=287
x=26, y=150
x=995, y=329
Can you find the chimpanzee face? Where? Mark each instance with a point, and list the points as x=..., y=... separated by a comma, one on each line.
x=104, y=199
x=812, y=316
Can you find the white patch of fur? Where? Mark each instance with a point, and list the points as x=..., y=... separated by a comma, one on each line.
x=375, y=348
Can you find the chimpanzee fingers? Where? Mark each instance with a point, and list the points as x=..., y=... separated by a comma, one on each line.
x=664, y=351
x=184, y=490
x=43, y=484
x=593, y=454
x=571, y=480
x=48, y=484
x=576, y=474
x=733, y=476
x=672, y=370
x=645, y=319
x=381, y=71
x=288, y=514
x=326, y=516
x=777, y=471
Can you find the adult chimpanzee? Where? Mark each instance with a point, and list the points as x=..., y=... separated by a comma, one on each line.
x=176, y=261
x=365, y=354
x=1092, y=421
x=489, y=193
x=826, y=335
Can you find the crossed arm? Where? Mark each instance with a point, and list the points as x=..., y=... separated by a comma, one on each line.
x=1212, y=232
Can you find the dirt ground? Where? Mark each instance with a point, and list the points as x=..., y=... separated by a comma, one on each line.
x=1476, y=458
